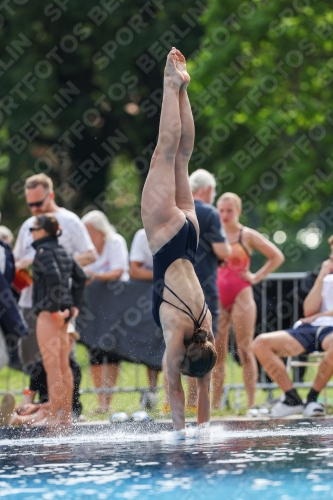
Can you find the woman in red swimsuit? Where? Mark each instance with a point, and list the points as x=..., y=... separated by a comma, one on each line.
x=236, y=296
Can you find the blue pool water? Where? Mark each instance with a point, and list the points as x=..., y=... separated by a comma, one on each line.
x=233, y=460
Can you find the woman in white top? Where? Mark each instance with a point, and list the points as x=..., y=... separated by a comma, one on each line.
x=111, y=264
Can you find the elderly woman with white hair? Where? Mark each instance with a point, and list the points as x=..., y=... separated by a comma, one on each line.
x=111, y=264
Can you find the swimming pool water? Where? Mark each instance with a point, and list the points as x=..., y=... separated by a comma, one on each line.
x=232, y=460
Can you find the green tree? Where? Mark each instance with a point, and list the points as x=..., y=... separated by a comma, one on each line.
x=263, y=103
x=81, y=84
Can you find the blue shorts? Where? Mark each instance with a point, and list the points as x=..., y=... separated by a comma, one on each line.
x=310, y=336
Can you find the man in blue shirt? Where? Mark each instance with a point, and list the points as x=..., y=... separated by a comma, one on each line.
x=212, y=249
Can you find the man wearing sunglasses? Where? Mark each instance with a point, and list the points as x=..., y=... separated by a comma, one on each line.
x=75, y=238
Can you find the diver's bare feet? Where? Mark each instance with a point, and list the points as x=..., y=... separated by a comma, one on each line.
x=181, y=66
x=172, y=75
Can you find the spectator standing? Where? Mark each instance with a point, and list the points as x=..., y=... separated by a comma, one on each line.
x=111, y=265
x=75, y=239
x=29, y=412
x=236, y=295
x=58, y=283
x=141, y=268
x=213, y=248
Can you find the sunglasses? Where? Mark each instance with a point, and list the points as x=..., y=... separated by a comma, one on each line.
x=37, y=204
x=32, y=229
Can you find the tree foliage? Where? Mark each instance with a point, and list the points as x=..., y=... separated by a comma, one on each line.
x=81, y=84
x=264, y=109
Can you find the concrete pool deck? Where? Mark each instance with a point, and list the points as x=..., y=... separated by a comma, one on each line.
x=228, y=418
x=154, y=426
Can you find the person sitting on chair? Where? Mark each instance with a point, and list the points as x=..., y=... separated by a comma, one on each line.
x=314, y=333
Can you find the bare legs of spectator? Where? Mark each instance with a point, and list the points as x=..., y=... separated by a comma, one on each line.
x=29, y=413
x=221, y=346
x=104, y=376
x=191, y=393
x=152, y=378
x=243, y=317
x=269, y=348
x=53, y=342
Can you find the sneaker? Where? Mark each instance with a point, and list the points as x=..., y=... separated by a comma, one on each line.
x=140, y=416
x=6, y=409
x=256, y=411
x=119, y=416
x=280, y=410
x=314, y=409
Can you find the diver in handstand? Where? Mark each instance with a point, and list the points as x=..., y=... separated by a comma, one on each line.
x=172, y=230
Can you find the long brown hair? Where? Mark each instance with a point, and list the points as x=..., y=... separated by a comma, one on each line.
x=200, y=356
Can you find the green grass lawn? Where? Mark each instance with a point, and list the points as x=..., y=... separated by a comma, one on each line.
x=136, y=376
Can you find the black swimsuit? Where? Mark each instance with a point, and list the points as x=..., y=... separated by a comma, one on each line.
x=182, y=246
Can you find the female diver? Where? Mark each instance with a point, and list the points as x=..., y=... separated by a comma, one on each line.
x=235, y=282
x=172, y=229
